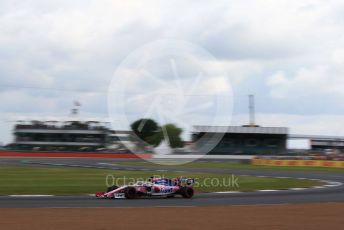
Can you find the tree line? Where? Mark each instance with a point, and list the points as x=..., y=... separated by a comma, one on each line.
x=153, y=134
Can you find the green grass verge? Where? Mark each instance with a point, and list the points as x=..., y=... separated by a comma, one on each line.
x=75, y=181
x=230, y=165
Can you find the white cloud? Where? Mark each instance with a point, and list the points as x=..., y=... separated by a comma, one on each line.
x=311, y=82
x=338, y=56
x=235, y=71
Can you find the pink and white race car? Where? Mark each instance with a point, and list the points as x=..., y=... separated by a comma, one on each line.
x=154, y=187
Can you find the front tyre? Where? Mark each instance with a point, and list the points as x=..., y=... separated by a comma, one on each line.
x=187, y=192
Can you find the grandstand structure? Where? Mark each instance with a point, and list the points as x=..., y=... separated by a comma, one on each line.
x=322, y=143
x=71, y=135
x=250, y=139
x=253, y=139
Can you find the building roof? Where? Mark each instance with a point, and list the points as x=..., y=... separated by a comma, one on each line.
x=240, y=129
x=316, y=137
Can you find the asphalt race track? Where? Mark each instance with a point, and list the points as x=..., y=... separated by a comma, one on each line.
x=328, y=194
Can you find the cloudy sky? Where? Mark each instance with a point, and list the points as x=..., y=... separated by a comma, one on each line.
x=289, y=54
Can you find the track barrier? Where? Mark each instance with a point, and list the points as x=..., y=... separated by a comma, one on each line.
x=298, y=163
x=74, y=155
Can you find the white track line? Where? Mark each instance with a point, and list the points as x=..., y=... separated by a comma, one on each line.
x=268, y=190
x=330, y=185
x=297, y=189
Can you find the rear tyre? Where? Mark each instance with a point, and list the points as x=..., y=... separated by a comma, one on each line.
x=130, y=193
x=187, y=192
x=109, y=189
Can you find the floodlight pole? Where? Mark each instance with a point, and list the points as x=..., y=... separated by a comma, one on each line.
x=251, y=109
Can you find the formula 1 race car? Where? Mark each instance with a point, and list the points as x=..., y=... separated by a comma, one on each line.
x=154, y=187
